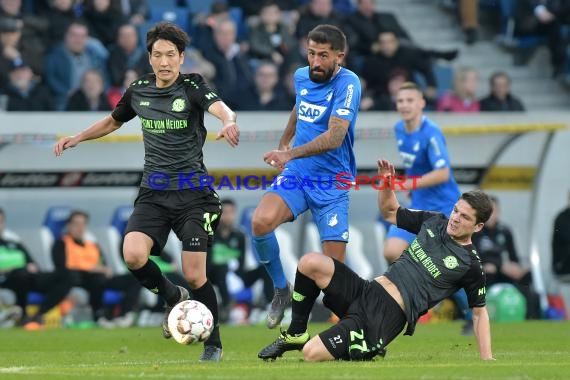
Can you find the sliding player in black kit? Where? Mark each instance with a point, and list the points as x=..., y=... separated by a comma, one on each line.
x=440, y=261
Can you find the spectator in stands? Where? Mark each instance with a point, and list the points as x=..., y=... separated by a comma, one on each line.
x=127, y=54
x=289, y=83
x=233, y=74
x=463, y=97
x=13, y=50
x=390, y=57
x=204, y=25
x=67, y=63
x=500, y=98
x=61, y=14
x=25, y=93
x=469, y=15
x=561, y=244
x=16, y=266
x=265, y=93
x=115, y=93
x=91, y=95
x=194, y=62
x=319, y=12
x=552, y=14
x=367, y=23
x=252, y=9
x=103, y=20
x=34, y=28
x=385, y=102
x=270, y=39
x=80, y=263
x=135, y=12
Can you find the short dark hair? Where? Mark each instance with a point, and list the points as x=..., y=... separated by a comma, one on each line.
x=498, y=74
x=169, y=32
x=328, y=34
x=76, y=213
x=481, y=202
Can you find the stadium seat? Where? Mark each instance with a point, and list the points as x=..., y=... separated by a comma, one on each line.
x=355, y=256
x=175, y=15
x=52, y=228
x=202, y=6
x=115, y=232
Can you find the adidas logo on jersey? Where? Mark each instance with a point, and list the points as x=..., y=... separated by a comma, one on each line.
x=310, y=112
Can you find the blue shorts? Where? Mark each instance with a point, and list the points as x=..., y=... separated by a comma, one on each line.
x=328, y=204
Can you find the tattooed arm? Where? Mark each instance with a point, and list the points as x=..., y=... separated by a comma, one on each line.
x=331, y=139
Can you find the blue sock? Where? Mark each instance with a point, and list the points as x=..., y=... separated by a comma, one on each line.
x=267, y=249
x=460, y=298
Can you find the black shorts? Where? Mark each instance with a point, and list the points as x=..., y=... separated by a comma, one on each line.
x=193, y=214
x=369, y=317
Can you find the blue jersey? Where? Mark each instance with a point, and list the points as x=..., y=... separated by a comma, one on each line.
x=423, y=151
x=315, y=104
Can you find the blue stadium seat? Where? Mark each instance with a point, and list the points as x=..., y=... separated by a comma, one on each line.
x=176, y=15
x=201, y=6
x=52, y=228
x=443, y=77
x=115, y=232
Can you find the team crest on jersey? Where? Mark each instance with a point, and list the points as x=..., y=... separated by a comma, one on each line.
x=450, y=262
x=178, y=105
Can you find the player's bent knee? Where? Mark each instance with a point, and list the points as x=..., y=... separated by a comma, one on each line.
x=315, y=351
x=310, y=262
x=261, y=224
x=194, y=277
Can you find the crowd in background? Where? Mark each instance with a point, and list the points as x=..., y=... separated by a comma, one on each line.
x=81, y=55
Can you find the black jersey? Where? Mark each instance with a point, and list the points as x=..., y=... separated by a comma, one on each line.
x=173, y=128
x=434, y=266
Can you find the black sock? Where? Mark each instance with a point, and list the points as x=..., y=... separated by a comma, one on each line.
x=150, y=276
x=207, y=296
x=305, y=293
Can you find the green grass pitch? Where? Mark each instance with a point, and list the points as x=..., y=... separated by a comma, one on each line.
x=529, y=350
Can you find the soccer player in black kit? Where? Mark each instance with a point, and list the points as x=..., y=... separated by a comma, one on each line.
x=171, y=108
x=372, y=313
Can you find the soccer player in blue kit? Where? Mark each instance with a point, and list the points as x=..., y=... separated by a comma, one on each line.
x=315, y=147
x=422, y=148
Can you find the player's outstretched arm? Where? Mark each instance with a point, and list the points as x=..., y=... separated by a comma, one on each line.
x=331, y=139
x=482, y=330
x=230, y=130
x=387, y=202
x=99, y=129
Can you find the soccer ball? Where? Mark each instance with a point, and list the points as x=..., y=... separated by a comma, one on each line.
x=190, y=322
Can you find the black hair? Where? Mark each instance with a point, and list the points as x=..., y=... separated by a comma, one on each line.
x=481, y=202
x=328, y=34
x=75, y=213
x=169, y=32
